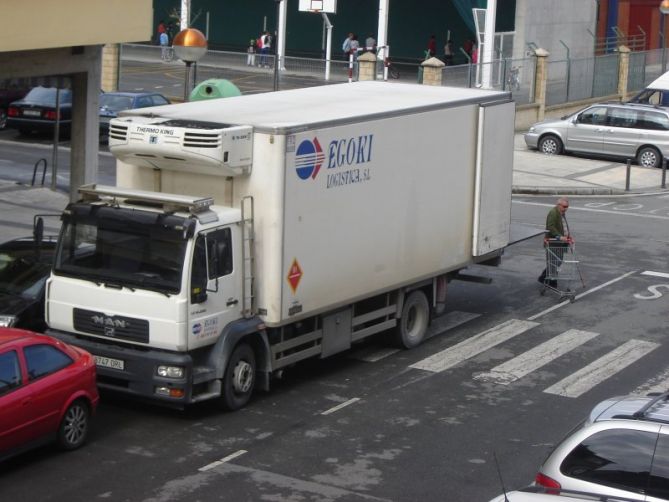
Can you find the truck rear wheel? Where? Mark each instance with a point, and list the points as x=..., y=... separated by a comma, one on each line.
x=239, y=379
x=412, y=326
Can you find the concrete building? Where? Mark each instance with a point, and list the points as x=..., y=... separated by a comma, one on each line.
x=64, y=39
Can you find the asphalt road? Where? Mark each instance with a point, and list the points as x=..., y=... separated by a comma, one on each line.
x=425, y=424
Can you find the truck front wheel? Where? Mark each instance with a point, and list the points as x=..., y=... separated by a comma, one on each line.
x=412, y=326
x=240, y=376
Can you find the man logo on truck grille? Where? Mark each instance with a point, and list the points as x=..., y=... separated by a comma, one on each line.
x=308, y=159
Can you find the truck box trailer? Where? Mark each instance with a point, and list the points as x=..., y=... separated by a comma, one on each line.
x=246, y=234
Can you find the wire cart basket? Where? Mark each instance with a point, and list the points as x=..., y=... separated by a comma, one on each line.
x=562, y=269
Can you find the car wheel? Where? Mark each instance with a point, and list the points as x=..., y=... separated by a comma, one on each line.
x=74, y=426
x=239, y=379
x=413, y=324
x=649, y=157
x=550, y=145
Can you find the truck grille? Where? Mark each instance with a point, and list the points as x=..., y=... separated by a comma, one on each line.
x=202, y=140
x=116, y=327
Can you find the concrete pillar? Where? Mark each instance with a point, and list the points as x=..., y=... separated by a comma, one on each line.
x=111, y=54
x=623, y=70
x=540, y=81
x=367, y=70
x=432, y=71
x=85, y=138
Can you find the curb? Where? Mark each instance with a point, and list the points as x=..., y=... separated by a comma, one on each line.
x=569, y=191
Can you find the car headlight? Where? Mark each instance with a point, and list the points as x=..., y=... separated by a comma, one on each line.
x=170, y=371
x=7, y=321
x=532, y=129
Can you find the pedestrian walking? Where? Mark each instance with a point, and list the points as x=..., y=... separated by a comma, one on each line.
x=448, y=53
x=431, y=47
x=355, y=46
x=346, y=46
x=160, y=30
x=251, y=53
x=266, y=45
x=164, y=41
x=557, y=233
x=370, y=44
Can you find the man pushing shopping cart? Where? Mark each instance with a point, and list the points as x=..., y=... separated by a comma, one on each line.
x=561, y=263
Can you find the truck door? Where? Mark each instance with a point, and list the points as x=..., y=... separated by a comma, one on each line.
x=215, y=285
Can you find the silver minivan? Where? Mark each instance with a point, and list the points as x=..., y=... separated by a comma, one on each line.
x=625, y=130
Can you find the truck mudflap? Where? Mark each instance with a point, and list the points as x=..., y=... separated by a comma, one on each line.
x=134, y=371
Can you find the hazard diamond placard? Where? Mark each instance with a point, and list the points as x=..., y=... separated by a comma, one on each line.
x=294, y=275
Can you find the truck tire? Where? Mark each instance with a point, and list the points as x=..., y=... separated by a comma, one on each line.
x=412, y=326
x=649, y=157
x=73, y=428
x=239, y=379
x=550, y=145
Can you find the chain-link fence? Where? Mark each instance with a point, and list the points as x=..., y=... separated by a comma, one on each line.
x=568, y=80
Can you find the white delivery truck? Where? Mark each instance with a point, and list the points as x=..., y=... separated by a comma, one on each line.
x=246, y=234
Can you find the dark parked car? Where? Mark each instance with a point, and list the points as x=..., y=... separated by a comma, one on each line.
x=37, y=111
x=10, y=90
x=24, y=269
x=113, y=102
x=47, y=392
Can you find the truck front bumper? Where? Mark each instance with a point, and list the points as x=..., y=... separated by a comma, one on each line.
x=134, y=371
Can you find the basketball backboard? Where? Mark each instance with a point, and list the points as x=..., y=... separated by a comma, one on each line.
x=327, y=6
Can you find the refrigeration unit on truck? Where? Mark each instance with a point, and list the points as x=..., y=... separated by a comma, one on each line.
x=249, y=233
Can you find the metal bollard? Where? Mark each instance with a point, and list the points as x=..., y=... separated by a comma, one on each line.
x=664, y=172
x=627, y=175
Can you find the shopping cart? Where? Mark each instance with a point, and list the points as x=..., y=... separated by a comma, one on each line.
x=561, y=268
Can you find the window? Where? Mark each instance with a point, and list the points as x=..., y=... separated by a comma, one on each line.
x=619, y=458
x=159, y=100
x=144, y=101
x=219, y=255
x=658, y=486
x=10, y=371
x=622, y=117
x=44, y=360
x=655, y=121
x=595, y=115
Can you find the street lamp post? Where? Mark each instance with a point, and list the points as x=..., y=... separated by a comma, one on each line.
x=664, y=9
x=189, y=46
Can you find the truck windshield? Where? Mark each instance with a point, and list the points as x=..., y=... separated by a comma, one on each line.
x=123, y=247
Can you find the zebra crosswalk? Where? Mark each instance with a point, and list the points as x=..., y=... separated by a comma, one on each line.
x=521, y=365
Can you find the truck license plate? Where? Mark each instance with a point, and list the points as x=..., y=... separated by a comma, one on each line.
x=108, y=362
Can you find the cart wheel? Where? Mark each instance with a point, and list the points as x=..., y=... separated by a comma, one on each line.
x=572, y=298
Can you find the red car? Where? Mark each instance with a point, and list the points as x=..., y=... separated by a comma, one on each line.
x=47, y=392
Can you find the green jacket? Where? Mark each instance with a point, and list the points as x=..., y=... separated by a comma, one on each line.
x=554, y=226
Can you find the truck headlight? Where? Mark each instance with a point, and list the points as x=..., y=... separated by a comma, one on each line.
x=170, y=371
x=7, y=321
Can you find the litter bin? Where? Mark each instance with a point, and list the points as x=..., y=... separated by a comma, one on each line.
x=214, y=88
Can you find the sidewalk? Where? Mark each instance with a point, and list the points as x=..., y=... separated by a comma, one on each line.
x=536, y=173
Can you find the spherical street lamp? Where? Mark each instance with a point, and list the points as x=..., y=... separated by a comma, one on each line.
x=664, y=7
x=189, y=46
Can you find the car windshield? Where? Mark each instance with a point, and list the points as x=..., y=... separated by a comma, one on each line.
x=123, y=247
x=47, y=95
x=114, y=102
x=22, y=272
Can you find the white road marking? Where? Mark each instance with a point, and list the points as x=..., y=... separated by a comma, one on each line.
x=232, y=456
x=473, y=346
x=606, y=211
x=581, y=295
x=606, y=366
x=340, y=406
x=539, y=356
x=656, y=274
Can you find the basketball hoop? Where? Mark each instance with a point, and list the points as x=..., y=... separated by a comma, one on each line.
x=318, y=6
